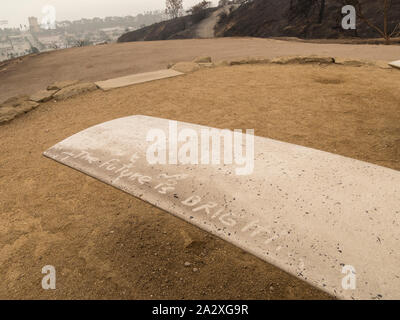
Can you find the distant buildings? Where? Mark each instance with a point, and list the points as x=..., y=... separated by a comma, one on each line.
x=14, y=46
x=33, y=24
x=16, y=42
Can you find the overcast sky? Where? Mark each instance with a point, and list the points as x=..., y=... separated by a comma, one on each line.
x=18, y=11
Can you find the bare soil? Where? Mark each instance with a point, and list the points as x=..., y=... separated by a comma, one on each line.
x=94, y=63
x=107, y=244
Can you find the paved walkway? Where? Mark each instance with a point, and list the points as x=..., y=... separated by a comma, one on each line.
x=137, y=78
x=96, y=63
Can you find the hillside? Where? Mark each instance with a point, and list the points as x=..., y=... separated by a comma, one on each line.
x=179, y=28
x=301, y=18
x=274, y=18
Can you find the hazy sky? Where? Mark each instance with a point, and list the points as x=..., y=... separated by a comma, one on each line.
x=18, y=11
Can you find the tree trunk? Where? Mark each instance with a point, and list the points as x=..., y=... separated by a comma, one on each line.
x=385, y=22
x=322, y=11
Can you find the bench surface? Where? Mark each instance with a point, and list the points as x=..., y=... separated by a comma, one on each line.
x=305, y=211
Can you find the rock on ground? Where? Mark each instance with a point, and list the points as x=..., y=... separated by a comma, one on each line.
x=74, y=90
x=186, y=67
x=303, y=60
x=248, y=60
x=15, y=101
x=62, y=84
x=14, y=107
x=222, y=63
x=7, y=114
x=202, y=60
x=43, y=95
x=26, y=106
x=206, y=65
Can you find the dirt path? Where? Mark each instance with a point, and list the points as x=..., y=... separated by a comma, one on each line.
x=107, y=244
x=103, y=62
x=205, y=28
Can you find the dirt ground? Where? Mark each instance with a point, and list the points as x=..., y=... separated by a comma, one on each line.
x=94, y=63
x=107, y=244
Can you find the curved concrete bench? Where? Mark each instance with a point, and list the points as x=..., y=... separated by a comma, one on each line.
x=329, y=220
x=395, y=64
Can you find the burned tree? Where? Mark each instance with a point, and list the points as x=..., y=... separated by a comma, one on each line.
x=384, y=31
x=199, y=11
x=307, y=8
x=173, y=8
x=321, y=11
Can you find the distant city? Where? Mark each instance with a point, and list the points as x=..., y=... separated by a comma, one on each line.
x=35, y=37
